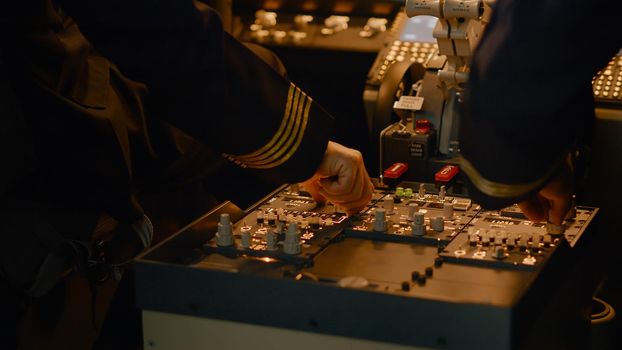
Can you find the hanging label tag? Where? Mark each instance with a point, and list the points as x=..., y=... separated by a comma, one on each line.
x=411, y=103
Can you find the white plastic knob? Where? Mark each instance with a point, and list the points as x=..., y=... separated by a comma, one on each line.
x=224, y=237
x=271, y=239
x=448, y=211
x=245, y=233
x=421, y=190
x=387, y=204
x=419, y=218
x=418, y=230
x=437, y=223
x=412, y=209
x=291, y=244
x=380, y=223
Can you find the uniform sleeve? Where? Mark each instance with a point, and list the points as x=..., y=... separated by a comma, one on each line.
x=529, y=97
x=209, y=85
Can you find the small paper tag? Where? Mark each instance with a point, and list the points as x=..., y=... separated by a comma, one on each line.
x=411, y=103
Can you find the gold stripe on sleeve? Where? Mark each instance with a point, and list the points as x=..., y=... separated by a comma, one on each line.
x=286, y=140
x=292, y=124
x=502, y=190
x=293, y=90
x=291, y=137
x=296, y=145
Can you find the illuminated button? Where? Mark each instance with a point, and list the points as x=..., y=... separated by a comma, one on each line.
x=597, y=93
x=392, y=53
x=598, y=88
x=446, y=174
x=412, y=59
x=607, y=88
x=422, y=55
x=619, y=83
x=617, y=88
x=417, y=44
x=261, y=35
x=425, y=49
x=390, y=57
x=399, y=58
x=397, y=43
x=420, y=60
x=404, y=48
x=616, y=94
x=395, y=171
x=399, y=192
x=607, y=72
x=414, y=50
x=608, y=83
x=265, y=18
x=426, y=45
x=605, y=94
x=408, y=192
x=529, y=260
x=407, y=44
x=610, y=78
x=395, y=48
x=279, y=36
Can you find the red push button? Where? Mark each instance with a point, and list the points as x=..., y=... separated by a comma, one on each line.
x=447, y=173
x=395, y=171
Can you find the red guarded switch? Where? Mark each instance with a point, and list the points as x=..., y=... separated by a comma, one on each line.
x=447, y=173
x=395, y=171
x=422, y=126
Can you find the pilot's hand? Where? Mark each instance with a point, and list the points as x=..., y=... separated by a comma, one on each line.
x=553, y=201
x=341, y=179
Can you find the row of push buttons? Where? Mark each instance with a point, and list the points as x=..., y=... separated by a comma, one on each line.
x=405, y=50
x=607, y=84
